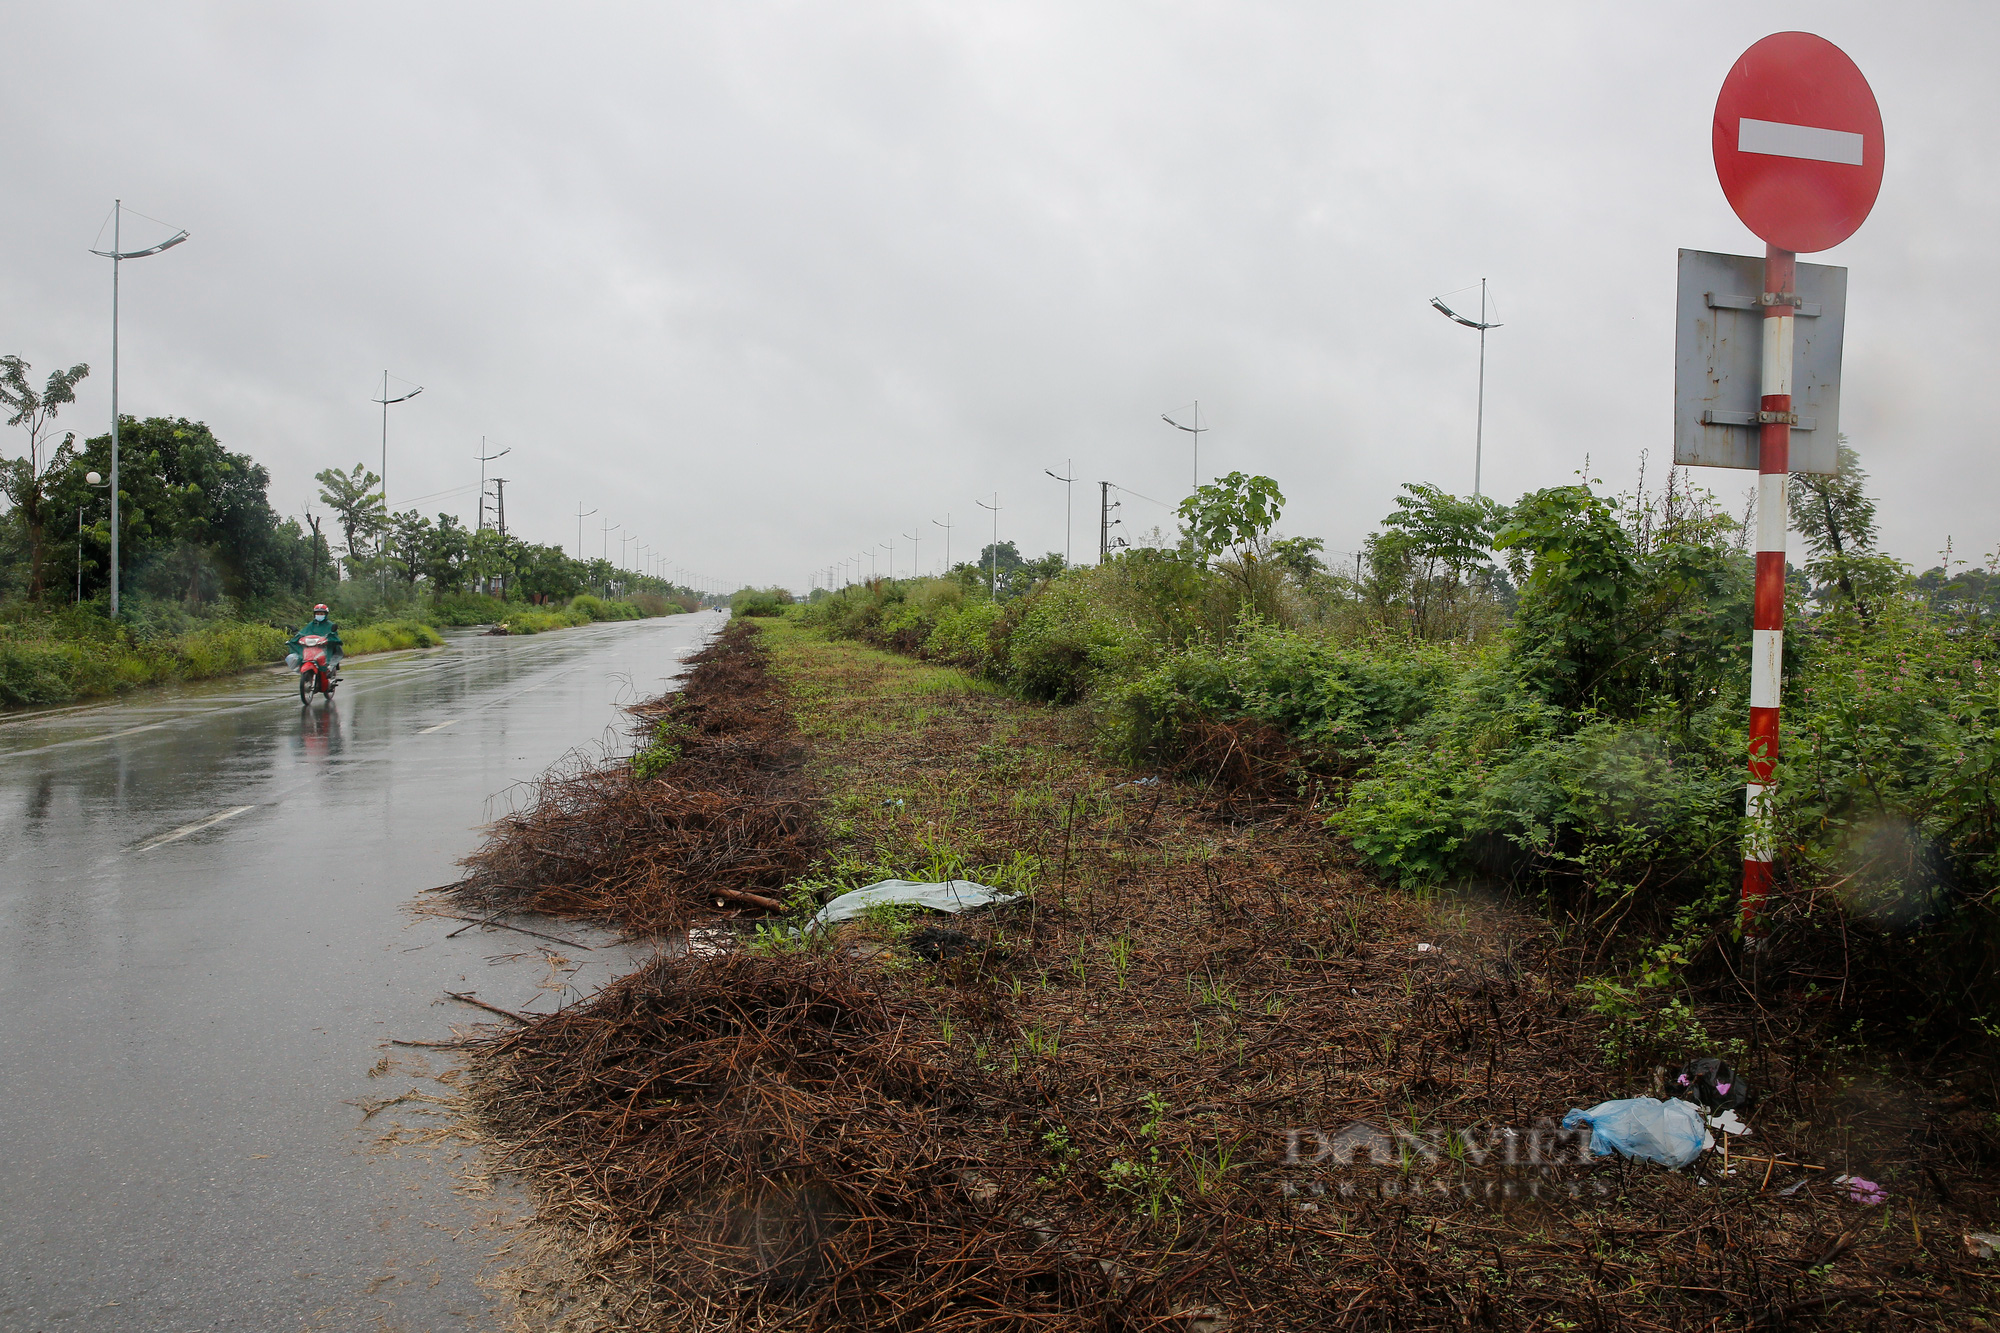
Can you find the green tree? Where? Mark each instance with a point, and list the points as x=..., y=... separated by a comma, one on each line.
x=1836, y=516
x=546, y=572
x=1431, y=546
x=997, y=564
x=358, y=506
x=443, y=554
x=490, y=559
x=25, y=479
x=1603, y=625
x=1234, y=514
x=1300, y=557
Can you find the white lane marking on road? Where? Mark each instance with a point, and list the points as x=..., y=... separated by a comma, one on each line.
x=196, y=827
x=439, y=727
x=1775, y=138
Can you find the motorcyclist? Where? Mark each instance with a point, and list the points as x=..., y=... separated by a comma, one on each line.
x=321, y=624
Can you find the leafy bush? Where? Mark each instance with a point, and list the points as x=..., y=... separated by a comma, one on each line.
x=652, y=605
x=760, y=602
x=598, y=609
x=965, y=636
x=1064, y=637
x=1339, y=701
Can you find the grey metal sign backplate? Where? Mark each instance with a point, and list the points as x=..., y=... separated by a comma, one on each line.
x=1718, y=362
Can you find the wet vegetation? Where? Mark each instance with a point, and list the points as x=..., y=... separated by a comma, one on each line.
x=1120, y=1103
x=213, y=576
x=1338, y=889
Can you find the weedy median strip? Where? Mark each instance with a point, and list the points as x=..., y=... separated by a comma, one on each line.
x=1202, y=1071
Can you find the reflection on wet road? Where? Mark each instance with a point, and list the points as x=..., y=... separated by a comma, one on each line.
x=204, y=949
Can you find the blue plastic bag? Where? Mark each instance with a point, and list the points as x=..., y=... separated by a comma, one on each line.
x=1670, y=1133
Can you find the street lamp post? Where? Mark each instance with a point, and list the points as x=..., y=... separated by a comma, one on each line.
x=993, y=584
x=385, y=400
x=1479, y=420
x=946, y=525
x=1069, y=490
x=117, y=255
x=1195, y=430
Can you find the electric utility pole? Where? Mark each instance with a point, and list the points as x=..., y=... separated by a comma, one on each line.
x=484, y=459
x=1106, y=543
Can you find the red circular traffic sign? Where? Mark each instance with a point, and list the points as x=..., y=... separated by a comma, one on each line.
x=1798, y=142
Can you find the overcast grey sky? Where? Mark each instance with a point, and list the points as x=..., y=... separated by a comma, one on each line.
x=768, y=283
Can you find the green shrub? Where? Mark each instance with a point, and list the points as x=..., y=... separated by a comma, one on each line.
x=964, y=636
x=1063, y=638
x=757, y=603
x=596, y=608
x=1340, y=701
x=651, y=604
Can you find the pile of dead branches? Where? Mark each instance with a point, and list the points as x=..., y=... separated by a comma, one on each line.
x=751, y=1141
x=721, y=819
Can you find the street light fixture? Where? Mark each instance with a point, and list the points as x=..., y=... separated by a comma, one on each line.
x=946, y=525
x=1195, y=430
x=118, y=255
x=1069, y=491
x=385, y=400
x=994, y=583
x=1479, y=421
x=94, y=480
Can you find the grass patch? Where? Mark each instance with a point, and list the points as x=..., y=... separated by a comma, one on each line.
x=389, y=636
x=46, y=662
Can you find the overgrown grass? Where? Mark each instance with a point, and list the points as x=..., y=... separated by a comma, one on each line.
x=389, y=636
x=58, y=660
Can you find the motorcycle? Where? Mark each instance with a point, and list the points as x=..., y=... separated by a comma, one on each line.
x=314, y=672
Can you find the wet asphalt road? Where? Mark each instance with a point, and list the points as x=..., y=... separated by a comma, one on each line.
x=204, y=950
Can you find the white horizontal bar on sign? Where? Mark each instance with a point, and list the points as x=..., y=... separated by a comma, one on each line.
x=1774, y=138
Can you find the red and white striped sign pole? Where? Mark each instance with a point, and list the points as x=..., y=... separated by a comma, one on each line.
x=1767, y=635
x=1798, y=149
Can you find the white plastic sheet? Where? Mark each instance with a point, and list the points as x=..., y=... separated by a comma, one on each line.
x=953, y=895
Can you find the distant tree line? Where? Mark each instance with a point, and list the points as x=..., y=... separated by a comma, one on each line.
x=197, y=527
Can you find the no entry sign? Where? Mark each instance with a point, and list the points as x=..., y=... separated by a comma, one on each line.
x=1798, y=142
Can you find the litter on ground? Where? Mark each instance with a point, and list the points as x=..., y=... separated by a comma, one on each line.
x=953, y=895
x=1670, y=1133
